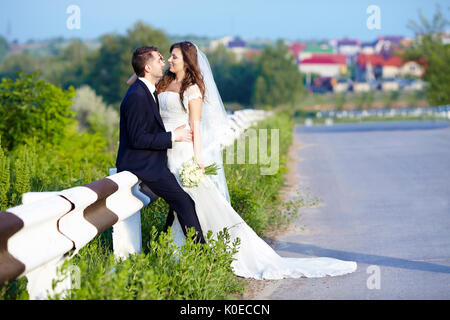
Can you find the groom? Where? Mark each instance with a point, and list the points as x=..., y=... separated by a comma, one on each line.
x=144, y=140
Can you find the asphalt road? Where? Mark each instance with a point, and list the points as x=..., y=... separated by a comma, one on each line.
x=385, y=190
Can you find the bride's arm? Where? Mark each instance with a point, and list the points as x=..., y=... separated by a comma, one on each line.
x=132, y=79
x=195, y=113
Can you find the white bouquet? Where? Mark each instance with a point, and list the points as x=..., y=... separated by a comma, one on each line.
x=191, y=173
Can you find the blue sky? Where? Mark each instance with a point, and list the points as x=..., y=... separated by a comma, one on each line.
x=263, y=19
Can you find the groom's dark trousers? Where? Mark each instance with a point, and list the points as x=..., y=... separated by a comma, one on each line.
x=143, y=151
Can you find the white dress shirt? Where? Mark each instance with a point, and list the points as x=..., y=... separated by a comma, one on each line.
x=151, y=87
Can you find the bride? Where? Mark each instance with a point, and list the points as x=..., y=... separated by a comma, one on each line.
x=187, y=94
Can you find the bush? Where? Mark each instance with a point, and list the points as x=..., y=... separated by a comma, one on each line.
x=31, y=108
x=41, y=149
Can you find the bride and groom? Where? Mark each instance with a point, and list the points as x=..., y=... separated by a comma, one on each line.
x=166, y=118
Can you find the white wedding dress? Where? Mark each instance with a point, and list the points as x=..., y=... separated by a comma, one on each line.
x=255, y=259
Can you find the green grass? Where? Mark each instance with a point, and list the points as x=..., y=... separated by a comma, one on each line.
x=256, y=197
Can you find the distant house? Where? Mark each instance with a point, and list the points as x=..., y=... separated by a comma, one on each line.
x=368, y=47
x=349, y=47
x=411, y=68
x=385, y=67
x=326, y=65
x=236, y=45
x=224, y=41
x=313, y=49
x=381, y=67
x=386, y=45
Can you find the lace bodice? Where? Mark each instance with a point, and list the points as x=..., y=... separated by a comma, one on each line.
x=174, y=115
x=172, y=112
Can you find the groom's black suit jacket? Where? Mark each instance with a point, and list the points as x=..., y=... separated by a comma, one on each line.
x=143, y=139
x=143, y=151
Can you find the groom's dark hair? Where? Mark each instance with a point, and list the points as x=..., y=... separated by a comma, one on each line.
x=140, y=58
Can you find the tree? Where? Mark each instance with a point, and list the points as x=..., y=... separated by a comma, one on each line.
x=32, y=108
x=221, y=61
x=70, y=67
x=15, y=63
x=235, y=79
x=243, y=82
x=260, y=90
x=105, y=74
x=112, y=63
x=94, y=115
x=429, y=50
x=279, y=80
x=424, y=27
x=140, y=35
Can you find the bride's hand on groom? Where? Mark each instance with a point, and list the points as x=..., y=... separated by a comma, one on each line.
x=183, y=134
x=132, y=79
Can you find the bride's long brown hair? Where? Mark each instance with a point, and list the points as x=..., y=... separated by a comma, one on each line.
x=191, y=69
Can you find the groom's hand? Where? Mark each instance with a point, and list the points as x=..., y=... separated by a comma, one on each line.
x=183, y=134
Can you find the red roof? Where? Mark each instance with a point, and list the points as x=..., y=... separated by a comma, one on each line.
x=326, y=58
x=377, y=60
x=296, y=47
